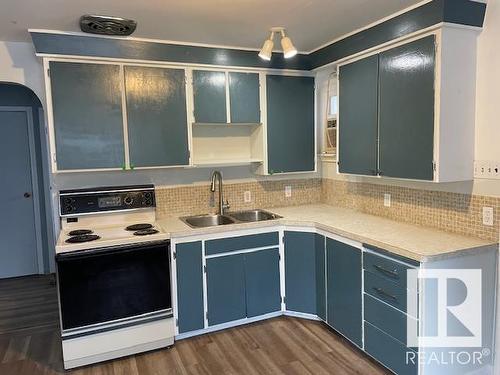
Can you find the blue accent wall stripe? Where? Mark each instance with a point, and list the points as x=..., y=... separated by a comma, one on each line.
x=462, y=12
x=78, y=45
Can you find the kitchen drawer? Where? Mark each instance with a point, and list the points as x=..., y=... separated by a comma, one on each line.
x=385, y=290
x=386, y=318
x=390, y=352
x=386, y=268
x=224, y=245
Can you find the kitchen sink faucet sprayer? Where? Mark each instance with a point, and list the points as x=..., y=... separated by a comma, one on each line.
x=216, y=175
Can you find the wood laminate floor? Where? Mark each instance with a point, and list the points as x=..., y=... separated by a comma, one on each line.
x=30, y=344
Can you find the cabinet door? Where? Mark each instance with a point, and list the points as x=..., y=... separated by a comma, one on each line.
x=319, y=242
x=87, y=109
x=156, y=113
x=406, y=118
x=290, y=124
x=358, y=100
x=344, y=289
x=262, y=279
x=189, y=286
x=209, y=89
x=226, y=289
x=300, y=272
x=244, y=97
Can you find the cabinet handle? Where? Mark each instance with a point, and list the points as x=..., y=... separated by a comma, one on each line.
x=383, y=293
x=390, y=273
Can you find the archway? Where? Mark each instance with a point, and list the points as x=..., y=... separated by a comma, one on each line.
x=25, y=218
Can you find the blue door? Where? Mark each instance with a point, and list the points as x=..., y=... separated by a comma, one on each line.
x=262, y=281
x=189, y=286
x=300, y=272
x=344, y=312
x=18, y=255
x=226, y=289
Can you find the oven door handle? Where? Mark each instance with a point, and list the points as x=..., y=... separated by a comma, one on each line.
x=89, y=253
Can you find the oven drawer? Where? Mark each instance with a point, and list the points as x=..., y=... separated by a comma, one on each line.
x=252, y=241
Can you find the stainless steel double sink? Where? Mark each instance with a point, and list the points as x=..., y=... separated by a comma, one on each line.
x=248, y=216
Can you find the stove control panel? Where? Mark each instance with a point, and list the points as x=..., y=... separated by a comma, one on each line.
x=88, y=201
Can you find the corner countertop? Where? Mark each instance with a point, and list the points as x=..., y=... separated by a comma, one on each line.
x=408, y=240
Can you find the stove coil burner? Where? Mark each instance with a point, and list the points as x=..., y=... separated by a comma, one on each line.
x=139, y=227
x=82, y=238
x=80, y=232
x=145, y=232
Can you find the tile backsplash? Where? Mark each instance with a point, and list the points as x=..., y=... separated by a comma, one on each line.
x=451, y=212
x=197, y=199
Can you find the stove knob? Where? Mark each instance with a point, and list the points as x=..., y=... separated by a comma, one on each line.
x=147, y=195
x=128, y=200
x=68, y=209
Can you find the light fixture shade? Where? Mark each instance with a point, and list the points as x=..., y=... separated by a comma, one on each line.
x=288, y=49
x=267, y=50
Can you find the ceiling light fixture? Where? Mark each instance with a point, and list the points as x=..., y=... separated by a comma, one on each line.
x=288, y=48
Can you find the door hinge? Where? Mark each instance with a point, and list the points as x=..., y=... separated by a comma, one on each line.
x=48, y=72
x=283, y=299
x=206, y=315
x=205, y=269
x=434, y=166
x=177, y=322
x=175, y=254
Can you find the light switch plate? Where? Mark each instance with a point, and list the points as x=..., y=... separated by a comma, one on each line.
x=288, y=191
x=387, y=200
x=247, y=197
x=488, y=216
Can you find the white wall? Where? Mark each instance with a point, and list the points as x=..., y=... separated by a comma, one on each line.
x=19, y=64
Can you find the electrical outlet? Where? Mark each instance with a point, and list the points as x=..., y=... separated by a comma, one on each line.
x=247, y=197
x=487, y=169
x=488, y=216
x=288, y=191
x=387, y=200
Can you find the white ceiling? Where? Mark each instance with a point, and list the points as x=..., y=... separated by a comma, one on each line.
x=241, y=23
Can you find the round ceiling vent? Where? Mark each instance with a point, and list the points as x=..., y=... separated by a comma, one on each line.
x=107, y=25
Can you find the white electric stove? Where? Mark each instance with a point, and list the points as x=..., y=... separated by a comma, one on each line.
x=113, y=273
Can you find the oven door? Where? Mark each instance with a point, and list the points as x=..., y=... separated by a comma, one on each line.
x=103, y=289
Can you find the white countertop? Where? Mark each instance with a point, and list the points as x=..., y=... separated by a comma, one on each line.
x=411, y=241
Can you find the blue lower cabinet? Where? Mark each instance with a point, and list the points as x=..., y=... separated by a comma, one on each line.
x=390, y=352
x=226, y=289
x=344, y=293
x=262, y=281
x=300, y=272
x=189, y=286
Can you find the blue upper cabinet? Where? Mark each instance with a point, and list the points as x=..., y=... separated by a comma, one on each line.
x=157, y=116
x=386, y=113
x=358, y=121
x=244, y=97
x=406, y=110
x=290, y=124
x=87, y=115
x=344, y=292
x=209, y=91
